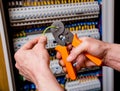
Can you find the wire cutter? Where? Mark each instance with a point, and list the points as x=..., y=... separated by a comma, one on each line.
x=64, y=37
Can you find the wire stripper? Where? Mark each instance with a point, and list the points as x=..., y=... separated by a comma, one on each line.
x=64, y=37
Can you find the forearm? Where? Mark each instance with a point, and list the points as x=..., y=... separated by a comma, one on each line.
x=47, y=81
x=112, y=58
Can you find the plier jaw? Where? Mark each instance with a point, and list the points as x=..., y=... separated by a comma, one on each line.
x=62, y=36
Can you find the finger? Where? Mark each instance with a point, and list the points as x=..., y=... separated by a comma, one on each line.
x=89, y=63
x=41, y=43
x=24, y=76
x=67, y=76
x=17, y=66
x=77, y=67
x=64, y=69
x=62, y=63
x=58, y=55
x=76, y=51
x=79, y=61
x=30, y=44
x=69, y=47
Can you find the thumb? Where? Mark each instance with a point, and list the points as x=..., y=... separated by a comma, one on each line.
x=75, y=52
x=42, y=41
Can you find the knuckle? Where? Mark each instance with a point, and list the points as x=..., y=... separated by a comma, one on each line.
x=86, y=44
x=16, y=55
x=74, y=51
x=16, y=65
x=86, y=39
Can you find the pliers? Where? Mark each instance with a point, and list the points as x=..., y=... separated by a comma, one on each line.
x=64, y=37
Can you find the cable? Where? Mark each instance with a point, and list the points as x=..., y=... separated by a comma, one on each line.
x=47, y=29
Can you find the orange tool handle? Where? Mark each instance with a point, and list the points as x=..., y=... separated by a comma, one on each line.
x=94, y=59
x=63, y=51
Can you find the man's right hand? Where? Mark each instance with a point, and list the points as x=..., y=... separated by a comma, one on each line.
x=92, y=46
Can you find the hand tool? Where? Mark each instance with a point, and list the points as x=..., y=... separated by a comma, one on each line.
x=63, y=37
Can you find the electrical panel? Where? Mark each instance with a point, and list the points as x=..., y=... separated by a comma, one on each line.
x=29, y=18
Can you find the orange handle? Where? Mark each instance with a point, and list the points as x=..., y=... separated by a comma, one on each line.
x=63, y=51
x=94, y=59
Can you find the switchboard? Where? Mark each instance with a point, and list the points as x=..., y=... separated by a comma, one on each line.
x=29, y=18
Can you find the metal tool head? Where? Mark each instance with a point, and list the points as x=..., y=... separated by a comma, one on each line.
x=62, y=36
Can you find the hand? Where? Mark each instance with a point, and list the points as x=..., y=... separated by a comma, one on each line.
x=32, y=58
x=92, y=46
x=32, y=61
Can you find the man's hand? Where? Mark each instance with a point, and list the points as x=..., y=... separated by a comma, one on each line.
x=32, y=61
x=92, y=46
x=31, y=58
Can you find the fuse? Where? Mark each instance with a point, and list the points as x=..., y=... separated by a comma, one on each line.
x=65, y=1
x=88, y=0
x=62, y=1
x=13, y=3
x=38, y=2
x=48, y=2
x=31, y=3
x=78, y=1
x=35, y=2
x=20, y=3
x=72, y=1
x=90, y=25
x=55, y=2
x=58, y=1
x=10, y=4
x=85, y=26
x=93, y=26
x=77, y=28
x=81, y=0
x=28, y=3
x=17, y=35
x=16, y=4
x=75, y=1
x=69, y=1
x=24, y=2
x=42, y=3
x=52, y=2
x=71, y=29
x=82, y=27
x=91, y=0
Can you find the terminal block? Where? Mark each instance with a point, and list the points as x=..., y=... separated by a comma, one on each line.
x=23, y=16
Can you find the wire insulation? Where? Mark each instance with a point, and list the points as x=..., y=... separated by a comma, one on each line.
x=47, y=29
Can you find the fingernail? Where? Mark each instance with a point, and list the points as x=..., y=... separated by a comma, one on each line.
x=42, y=38
x=75, y=64
x=69, y=58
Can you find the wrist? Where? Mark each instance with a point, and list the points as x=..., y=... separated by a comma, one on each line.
x=42, y=74
x=106, y=53
x=46, y=80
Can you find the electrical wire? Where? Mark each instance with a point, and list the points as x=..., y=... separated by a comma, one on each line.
x=48, y=29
